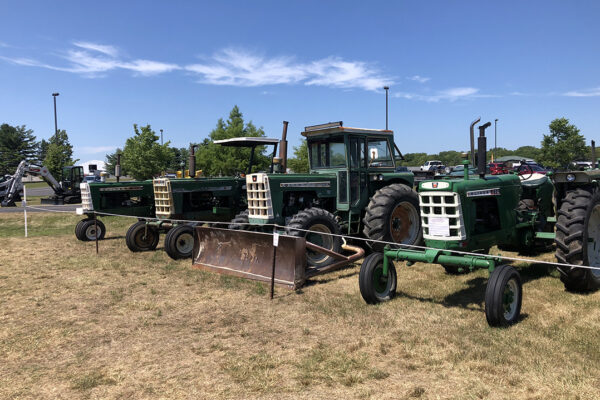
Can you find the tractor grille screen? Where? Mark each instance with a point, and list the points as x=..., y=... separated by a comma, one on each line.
x=259, y=196
x=86, y=197
x=441, y=216
x=163, y=197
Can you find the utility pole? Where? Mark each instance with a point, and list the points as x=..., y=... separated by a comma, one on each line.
x=495, y=138
x=161, y=137
x=386, y=88
x=55, y=121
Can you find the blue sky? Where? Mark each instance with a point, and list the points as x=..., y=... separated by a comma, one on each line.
x=182, y=65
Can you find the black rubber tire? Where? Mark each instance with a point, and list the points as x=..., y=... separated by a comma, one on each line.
x=309, y=219
x=495, y=310
x=240, y=222
x=136, y=241
x=572, y=238
x=177, y=242
x=377, y=224
x=368, y=272
x=85, y=231
x=78, y=233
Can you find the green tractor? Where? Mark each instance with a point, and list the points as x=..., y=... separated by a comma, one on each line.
x=352, y=189
x=198, y=199
x=578, y=226
x=462, y=218
x=121, y=198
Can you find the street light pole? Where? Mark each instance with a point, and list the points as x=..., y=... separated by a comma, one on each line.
x=55, y=121
x=386, y=88
x=161, y=137
x=495, y=138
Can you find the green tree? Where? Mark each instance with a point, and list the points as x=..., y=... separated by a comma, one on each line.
x=16, y=144
x=299, y=163
x=180, y=159
x=59, y=154
x=563, y=145
x=143, y=156
x=216, y=160
x=42, y=150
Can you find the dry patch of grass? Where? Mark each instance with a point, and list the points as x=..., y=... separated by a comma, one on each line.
x=140, y=325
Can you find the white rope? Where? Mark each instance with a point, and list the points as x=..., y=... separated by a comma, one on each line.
x=344, y=237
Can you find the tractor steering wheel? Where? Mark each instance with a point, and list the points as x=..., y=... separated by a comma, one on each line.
x=525, y=171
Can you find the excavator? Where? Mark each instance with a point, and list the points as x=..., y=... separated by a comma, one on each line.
x=66, y=191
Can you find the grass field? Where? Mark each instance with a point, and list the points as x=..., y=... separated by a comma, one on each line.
x=76, y=325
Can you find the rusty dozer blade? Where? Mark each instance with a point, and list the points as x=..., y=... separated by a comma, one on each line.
x=250, y=255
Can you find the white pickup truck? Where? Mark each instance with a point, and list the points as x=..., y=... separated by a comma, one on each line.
x=433, y=165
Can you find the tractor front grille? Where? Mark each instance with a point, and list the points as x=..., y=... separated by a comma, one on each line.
x=86, y=197
x=259, y=196
x=163, y=197
x=441, y=216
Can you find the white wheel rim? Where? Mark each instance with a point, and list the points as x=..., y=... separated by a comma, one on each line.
x=185, y=243
x=510, y=308
x=593, y=240
x=90, y=232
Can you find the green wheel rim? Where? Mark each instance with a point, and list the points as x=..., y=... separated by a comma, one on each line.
x=510, y=299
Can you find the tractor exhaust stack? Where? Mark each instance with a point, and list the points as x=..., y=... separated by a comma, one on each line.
x=192, y=169
x=283, y=148
x=482, y=150
x=593, y=154
x=472, y=132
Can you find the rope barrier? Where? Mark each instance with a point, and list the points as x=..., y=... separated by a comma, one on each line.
x=344, y=237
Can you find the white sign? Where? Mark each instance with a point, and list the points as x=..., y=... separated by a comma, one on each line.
x=275, y=239
x=439, y=226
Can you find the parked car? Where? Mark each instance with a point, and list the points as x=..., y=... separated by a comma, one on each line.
x=92, y=179
x=433, y=165
x=530, y=168
x=498, y=168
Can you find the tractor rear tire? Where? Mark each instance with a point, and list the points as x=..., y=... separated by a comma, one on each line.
x=578, y=239
x=374, y=287
x=503, y=296
x=317, y=220
x=85, y=230
x=142, y=238
x=393, y=216
x=179, y=242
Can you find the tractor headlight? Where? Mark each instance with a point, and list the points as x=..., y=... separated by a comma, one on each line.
x=570, y=177
x=380, y=177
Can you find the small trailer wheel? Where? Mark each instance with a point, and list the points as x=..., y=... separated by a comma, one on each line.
x=86, y=230
x=142, y=238
x=503, y=296
x=374, y=287
x=179, y=242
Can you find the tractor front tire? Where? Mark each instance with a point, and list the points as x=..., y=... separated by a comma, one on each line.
x=318, y=221
x=240, y=222
x=85, y=230
x=142, y=238
x=374, y=287
x=393, y=216
x=578, y=239
x=503, y=296
x=179, y=242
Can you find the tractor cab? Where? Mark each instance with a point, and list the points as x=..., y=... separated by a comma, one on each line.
x=363, y=160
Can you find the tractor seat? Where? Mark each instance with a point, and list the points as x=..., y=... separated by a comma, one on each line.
x=536, y=179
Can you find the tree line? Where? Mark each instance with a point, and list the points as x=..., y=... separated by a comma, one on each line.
x=143, y=157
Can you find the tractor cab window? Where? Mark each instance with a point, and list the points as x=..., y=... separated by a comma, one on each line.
x=357, y=153
x=379, y=153
x=328, y=154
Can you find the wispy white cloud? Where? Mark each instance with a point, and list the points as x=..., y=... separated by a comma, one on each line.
x=100, y=48
x=94, y=60
x=418, y=78
x=2, y=44
x=593, y=92
x=451, y=94
x=241, y=68
x=95, y=149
